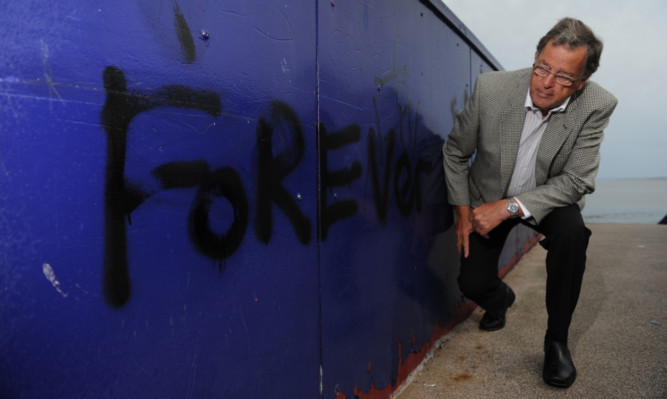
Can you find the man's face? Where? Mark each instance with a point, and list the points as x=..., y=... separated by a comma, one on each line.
x=559, y=59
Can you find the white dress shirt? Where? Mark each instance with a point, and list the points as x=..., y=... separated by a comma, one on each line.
x=523, y=177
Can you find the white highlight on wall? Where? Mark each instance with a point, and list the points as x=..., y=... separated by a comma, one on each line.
x=51, y=276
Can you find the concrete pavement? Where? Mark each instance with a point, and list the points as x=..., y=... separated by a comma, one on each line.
x=618, y=337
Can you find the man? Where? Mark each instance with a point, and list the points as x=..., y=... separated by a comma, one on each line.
x=535, y=135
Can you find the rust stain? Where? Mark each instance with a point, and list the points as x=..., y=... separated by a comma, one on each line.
x=408, y=365
x=526, y=247
x=462, y=377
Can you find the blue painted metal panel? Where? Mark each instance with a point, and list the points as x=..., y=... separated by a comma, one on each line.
x=392, y=77
x=153, y=240
x=226, y=199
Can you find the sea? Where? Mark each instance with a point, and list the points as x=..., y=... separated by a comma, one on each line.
x=641, y=201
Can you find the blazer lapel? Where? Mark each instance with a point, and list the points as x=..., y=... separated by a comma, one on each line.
x=558, y=130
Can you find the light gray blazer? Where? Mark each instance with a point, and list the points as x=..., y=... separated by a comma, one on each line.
x=490, y=127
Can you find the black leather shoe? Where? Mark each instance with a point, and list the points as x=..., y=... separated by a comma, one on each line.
x=490, y=322
x=559, y=370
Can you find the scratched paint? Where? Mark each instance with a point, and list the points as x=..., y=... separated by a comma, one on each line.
x=234, y=198
x=51, y=276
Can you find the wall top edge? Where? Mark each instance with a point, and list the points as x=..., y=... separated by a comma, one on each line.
x=448, y=17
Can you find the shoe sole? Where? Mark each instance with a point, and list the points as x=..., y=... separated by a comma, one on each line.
x=558, y=384
x=492, y=328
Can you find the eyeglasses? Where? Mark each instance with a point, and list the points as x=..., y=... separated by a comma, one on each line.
x=563, y=80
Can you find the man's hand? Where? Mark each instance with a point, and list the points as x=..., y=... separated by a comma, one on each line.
x=463, y=228
x=488, y=216
x=481, y=220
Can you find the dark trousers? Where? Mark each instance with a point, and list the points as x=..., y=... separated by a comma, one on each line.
x=566, y=241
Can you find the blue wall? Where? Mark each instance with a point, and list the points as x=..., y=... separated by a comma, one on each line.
x=236, y=199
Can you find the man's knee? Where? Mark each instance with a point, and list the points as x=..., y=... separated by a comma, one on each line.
x=472, y=286
x=466, y=285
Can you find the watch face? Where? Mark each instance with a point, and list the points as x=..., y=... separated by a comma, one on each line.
x=513, y=208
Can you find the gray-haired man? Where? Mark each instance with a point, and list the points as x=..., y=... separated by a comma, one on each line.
x=536, y=136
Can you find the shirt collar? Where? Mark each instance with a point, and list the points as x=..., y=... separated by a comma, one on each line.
x=531, y=107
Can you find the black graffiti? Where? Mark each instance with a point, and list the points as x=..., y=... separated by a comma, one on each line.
x=184, y=35
x=271, y=170
x=406, y=181
x=408, y=193
x=224, y=182
x=391, y=178
x=221, y=183
x=121, y=197
x=380, y=189
x=181, y=174
x=331, y=179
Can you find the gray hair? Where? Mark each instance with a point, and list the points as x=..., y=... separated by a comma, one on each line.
x=575, y=34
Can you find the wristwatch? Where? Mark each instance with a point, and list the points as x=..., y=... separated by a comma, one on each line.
x=512, y=208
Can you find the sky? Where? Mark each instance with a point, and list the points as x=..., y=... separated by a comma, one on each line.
x=633, y=66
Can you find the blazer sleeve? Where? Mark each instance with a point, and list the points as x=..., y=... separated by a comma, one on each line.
x=577, y=176
x=459, y=148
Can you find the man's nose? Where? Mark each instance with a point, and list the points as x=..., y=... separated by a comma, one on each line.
x=549, y=80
